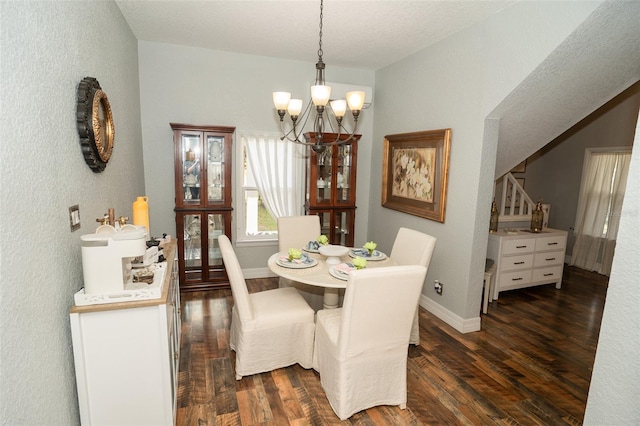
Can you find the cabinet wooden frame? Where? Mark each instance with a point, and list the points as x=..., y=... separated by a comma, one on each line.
x=335, y=197
x=415, y=169
x=200, y=263
x=318, y=162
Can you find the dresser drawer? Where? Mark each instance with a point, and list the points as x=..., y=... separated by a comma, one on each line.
x=518, y=246
x=512, y=263
x=557, y=242
x=550, y=274
x=514, y=279
x=548, y=258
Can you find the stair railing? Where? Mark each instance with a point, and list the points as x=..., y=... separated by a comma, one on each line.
x=516, y=205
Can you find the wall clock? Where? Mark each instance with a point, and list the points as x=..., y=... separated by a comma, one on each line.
x=95, y=124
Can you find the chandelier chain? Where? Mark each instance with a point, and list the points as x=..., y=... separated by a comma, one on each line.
x=320, y=42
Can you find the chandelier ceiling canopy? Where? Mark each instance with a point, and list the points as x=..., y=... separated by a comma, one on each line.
x=331, y=111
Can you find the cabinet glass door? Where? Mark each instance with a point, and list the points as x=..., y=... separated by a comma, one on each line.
x=325, y=224
x=192, y=245
x=323, y=185
x=341, y=226
x=216, y=228
x=191, y=151
x=343, y=175
x=215, y=168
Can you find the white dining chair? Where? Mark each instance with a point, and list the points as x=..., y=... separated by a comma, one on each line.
x=412, y=247
x=296, y=232
x=269, y=329
x=360, y=349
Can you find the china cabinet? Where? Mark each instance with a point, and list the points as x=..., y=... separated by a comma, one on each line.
x=331, y=188
x=202, y=202
x=126, y=356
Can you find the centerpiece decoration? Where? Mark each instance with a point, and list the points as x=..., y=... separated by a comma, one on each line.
x=359, y=263
x=370, y=246
x=333, y=253
x=323, y=240
x=294, y=254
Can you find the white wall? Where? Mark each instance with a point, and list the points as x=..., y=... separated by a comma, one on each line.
x=456, y=84
x=615, y=384
x=555, y=172
x=47, y=49
x=198, y=86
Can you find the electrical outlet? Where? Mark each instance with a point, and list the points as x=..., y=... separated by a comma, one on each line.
x=438, y=287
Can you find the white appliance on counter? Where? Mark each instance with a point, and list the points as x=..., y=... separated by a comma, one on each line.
x=107, y=255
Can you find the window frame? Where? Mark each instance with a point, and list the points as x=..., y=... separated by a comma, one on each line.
x=242, y=238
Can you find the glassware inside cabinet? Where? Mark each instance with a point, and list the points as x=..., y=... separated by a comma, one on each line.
x=323, y=184
x=192, y=240
x=215, y=172
x=343, y=176
x=191, y=167
x=216, y=228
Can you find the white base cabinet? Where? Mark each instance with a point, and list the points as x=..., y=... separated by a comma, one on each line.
x=126, y=357
x=525, y=259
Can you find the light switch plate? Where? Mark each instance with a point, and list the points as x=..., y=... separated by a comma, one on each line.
x=74, y=217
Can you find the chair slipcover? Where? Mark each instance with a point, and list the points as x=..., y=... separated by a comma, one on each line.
x=413, y=248
x=269, y=329
x=360, y=349
x=296, y=232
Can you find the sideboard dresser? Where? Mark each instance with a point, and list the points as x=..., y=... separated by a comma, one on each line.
x=126, y=356
x=526, y=259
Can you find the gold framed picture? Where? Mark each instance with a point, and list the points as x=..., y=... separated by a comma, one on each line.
x=415, y=167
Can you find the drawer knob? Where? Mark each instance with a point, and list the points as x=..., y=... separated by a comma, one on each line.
x=550, y=258
x=516, y=279
x=521, y=246
x=518, y=263
x=552, y=244
x=548, y=275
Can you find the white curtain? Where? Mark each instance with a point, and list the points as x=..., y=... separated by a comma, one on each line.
x=599, y=206
x=278, y=168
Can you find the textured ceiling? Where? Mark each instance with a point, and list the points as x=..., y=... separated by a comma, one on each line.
x=598, y=61
x=365, y=34
x=593, y=65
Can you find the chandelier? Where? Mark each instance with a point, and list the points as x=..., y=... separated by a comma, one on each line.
x=320, y=95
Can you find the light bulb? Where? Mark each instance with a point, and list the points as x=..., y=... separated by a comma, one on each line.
x=320, y=94
x=295, y=106
x=355, y=100
x=281, y=100
x=339, y=107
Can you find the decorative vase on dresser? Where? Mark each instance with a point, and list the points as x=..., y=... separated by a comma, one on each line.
x=525, y=259
x=202, y=202
x=331, y=188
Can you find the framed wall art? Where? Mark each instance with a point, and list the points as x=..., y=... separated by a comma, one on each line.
x=415, y=167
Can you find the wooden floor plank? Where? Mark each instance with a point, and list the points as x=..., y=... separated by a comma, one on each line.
x=529, y=365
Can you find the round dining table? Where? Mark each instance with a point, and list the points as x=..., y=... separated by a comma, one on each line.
x=318, y=275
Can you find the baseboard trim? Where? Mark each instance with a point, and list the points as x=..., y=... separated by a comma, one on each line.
x=460, y=324
x=257, y=273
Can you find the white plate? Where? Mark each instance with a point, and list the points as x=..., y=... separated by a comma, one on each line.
x=339, y=273
x=309, y=249
x=364, y=253
x=307, y=262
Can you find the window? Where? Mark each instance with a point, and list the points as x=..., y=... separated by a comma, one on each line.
x=602, y=188
x=271, y=177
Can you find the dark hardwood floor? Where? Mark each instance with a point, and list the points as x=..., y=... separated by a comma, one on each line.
x=530, y=364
